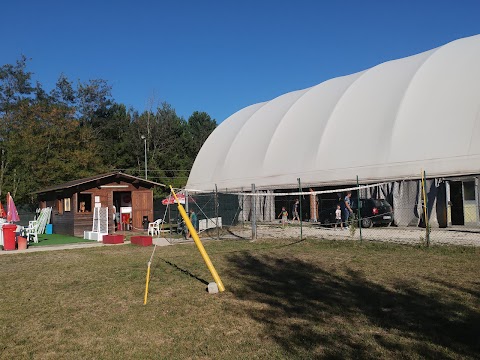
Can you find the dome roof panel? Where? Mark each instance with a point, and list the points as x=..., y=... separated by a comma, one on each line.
x=388, y=122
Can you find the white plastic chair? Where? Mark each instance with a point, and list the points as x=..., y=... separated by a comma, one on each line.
x=31, y=232
x=154, y=227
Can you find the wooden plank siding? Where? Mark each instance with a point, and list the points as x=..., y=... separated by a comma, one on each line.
x=62, y=220
x=74, y=222
x=83, y=222
x=62, y=224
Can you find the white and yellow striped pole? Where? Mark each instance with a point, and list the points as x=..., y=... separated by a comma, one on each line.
x=199, y=244
x=148, y=277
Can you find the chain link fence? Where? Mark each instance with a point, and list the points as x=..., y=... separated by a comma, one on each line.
x=418, y=211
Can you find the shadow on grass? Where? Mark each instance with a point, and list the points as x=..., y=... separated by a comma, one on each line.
x=212, y=233
x=186, y=272
x=308, y=310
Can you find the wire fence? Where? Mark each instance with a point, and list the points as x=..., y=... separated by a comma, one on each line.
x=413, y=211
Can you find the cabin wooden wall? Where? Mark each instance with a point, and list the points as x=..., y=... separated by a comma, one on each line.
x=62, y=221
x=84, y=221
x=142, y=205
x=63, y=224
x=75, y=223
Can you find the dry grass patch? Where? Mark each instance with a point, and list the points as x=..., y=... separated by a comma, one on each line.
x=284, y=299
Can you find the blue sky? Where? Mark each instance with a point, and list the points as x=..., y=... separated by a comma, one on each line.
x=220, y=56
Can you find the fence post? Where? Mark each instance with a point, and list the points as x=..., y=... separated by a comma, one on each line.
x=243, y=209
x=254, y=214
x=477, y=197
x=169, y=220
x=358, y=210
x=427, y=220
x=300, y=205
x=186, y=201
x=216, y=212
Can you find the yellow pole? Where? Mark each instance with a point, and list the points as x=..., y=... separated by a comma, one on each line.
x=199, y=244
x=146, y=284
x=148, y=276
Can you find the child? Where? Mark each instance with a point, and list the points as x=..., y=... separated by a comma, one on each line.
x=338, y=217
x=284, y=215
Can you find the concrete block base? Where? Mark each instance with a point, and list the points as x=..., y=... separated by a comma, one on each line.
x=212, y=288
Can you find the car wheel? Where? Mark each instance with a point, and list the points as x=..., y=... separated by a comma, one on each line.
x=366, y=223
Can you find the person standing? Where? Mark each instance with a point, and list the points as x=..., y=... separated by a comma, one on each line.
x=194, y=221
x=338, y=217
x=284, y=215
x=348, y=207
x=114, y=216
x=295, y=211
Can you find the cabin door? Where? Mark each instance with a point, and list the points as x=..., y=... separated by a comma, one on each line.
x=142, y=206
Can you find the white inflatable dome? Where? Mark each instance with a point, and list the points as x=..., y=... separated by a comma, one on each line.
x=385, y=123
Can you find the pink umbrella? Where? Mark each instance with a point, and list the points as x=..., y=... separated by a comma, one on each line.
x=12, y=214
x=171, y=200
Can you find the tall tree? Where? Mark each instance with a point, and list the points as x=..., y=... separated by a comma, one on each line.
x=200, y=126
x=64, y=92
x=113, y=130
x=15, y=84
x=78, y=130
x=166, y=151
x=92, y=97
x=44, y=146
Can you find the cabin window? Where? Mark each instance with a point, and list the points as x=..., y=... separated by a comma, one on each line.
x=66, y=204
x=60, y=207
x=84, y=202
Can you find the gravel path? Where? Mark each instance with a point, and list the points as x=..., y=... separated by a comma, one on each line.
x=403, y=235
x=462, y=236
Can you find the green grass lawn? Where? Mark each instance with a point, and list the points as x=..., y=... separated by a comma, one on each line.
x=283, y=300
x=57, y=239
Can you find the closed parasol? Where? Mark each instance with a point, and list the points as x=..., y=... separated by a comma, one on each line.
x=12, y=214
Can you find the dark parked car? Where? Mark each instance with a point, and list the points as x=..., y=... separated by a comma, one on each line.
x=326, y=212
x=374, y=212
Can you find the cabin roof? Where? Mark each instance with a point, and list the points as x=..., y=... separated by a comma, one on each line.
x=114, y=176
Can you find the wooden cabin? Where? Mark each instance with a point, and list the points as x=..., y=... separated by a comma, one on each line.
x=129, y=200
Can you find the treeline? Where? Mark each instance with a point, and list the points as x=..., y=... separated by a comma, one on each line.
x=77, y=130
